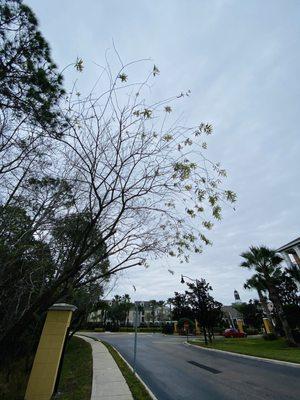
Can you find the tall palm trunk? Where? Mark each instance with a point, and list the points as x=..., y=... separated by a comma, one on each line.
x=205, y=334
x=265, y=308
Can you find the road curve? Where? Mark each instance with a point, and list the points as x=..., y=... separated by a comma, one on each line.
x=175, y=371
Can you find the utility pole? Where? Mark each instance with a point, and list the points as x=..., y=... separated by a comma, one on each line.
x=135, y=335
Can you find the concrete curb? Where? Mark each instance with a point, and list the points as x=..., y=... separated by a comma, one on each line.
x=269, y=360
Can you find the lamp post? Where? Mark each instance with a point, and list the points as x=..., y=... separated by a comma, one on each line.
x=197, y=286
x=135, y=335
x=183, y=281
x=187, y=277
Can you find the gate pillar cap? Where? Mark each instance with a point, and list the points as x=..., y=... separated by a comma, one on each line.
x=62, y=307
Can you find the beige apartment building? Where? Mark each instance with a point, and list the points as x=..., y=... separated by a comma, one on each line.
x=291, y=253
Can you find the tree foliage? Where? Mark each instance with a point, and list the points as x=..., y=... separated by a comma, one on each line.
x=206, y=310
x=252, y=313
x=119, y=308
x=287, y=288
x=31, y=267
x=198, y=304
x=266, y=263
x=27, y=266
x=30, y=84
x=181, y=308
x=294, y=272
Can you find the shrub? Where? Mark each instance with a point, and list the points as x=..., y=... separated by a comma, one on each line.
x=146, y=330
x=252, y=331
x=168, y=329
x=126, y=329
x=99, y=329
x=183, y=320
x=269, y=336
x=112, y=327
x=90, y=326
x=296, y=335
x=140, y=329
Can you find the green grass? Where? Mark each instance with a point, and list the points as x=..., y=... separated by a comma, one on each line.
x=77, y=371
x=137, y=389
x=276, y=349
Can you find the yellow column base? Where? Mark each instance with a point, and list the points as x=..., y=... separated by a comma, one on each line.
x=175, y=327
x=47, y=358
x=240, y=324
x=267, y=325
x=197, y=328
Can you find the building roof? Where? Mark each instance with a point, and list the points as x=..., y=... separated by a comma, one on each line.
x=289, y=245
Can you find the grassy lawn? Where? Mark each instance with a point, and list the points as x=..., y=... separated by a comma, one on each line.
x=276, y=349
x=136, y=387
x=76, y=377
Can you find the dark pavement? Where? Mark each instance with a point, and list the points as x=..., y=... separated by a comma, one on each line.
x=176, y=371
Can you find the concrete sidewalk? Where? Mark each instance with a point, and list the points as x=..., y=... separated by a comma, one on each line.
x=108, y=381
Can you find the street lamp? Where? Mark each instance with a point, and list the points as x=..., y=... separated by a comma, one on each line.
x=183, y=281
x=187, y=277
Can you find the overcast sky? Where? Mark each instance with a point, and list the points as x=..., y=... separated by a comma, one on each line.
x=241, y=61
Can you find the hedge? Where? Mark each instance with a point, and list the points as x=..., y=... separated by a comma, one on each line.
x=141, y=330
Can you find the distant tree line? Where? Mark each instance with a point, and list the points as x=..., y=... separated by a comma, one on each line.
x=113, y=314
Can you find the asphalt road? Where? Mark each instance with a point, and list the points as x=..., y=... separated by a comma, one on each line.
x=176, y=371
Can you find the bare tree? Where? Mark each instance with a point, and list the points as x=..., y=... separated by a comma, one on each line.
x=145, y=181
x=136, y=186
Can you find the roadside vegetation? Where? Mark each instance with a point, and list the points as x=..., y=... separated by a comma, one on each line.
x=275, y=285
x=77, y=371
x=76, y=375
x=197, y=304
x=275, y=349
x=13, y=380
x=137, y=389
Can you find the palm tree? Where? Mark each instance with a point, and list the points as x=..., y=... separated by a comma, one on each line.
x=257, y=283
x=294, y=272
x=266, y=263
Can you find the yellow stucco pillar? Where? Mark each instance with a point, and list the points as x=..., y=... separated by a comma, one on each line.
x=240, y=324
x=47, y=358
x=175, y=327
x=267, y=325
x=197, y=328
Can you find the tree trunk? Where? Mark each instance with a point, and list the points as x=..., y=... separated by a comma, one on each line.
x=209, y=335
x=265, y=308
x=205, y=335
